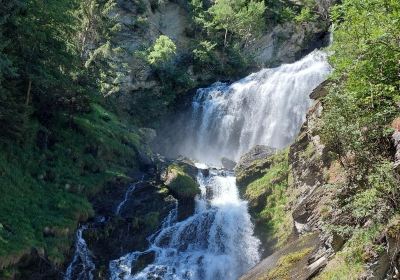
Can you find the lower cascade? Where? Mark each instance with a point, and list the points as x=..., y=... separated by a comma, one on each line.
x=217, y=242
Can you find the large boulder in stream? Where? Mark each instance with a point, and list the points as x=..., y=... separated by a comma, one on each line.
x=180, y=178
x=253, y=164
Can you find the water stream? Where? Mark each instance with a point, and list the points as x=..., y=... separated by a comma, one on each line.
x=82, y=266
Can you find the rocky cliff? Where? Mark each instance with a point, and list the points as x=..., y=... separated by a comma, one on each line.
x=142, y=22
x=312, y=250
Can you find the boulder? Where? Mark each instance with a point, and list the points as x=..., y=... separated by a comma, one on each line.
x=180, y=179
x=228, y=163
x=142, y=261
x=180, y=182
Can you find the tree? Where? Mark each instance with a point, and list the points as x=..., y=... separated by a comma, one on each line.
x=162, y=51
x=241, y=18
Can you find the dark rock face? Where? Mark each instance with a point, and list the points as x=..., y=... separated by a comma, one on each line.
x=228, y=163
x=252, y=165
x=34, y=266
x=143, y=261
x=140, y=216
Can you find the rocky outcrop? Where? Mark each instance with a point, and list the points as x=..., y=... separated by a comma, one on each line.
x=291, y=262
x=180, y=179
x=309, y=167
x=118, y=229
x=142, y=24
x=253, y=164
x=289, y=42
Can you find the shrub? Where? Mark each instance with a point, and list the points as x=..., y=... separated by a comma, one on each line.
x=162, y=51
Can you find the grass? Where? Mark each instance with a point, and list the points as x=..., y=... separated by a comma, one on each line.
x=286, y=263
x=45, y=193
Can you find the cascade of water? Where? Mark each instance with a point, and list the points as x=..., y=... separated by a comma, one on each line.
x=128, y=193
x=82, y=265
x=267, y=107
x=217, y=242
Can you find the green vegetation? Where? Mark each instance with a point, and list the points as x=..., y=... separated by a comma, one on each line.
x=349, y=263
x=58, y=146
x=362, y=103
x=355, y=126
x=45, y=185
x=180, y=182
x=162, y=51
x=268, y=197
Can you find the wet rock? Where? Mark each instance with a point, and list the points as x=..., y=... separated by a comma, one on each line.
x=186, y=208
x=120, y=234
x=209, y=192
x=180, y=178
x=180, y=182
x=205, y=172
x=145, y=161
x=228, y=163
x=142, y=261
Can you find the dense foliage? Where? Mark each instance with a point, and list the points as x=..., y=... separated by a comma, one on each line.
x=362, y=103
x=58, y=146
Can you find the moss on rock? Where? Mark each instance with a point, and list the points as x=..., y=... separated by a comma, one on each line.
x=180, y=182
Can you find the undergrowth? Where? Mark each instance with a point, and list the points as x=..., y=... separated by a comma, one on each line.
x=46, y=185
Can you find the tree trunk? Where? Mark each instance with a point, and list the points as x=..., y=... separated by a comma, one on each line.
x=226, y=36
x=28, y=93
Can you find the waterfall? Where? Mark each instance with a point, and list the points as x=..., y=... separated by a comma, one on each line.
x=267, y=107
x=216, y=243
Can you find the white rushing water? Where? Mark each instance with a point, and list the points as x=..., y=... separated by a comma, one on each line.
x=216, y=243
x=127, y=195
x=267, y=107
x=82, y=266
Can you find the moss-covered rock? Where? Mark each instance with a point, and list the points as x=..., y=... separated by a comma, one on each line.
x=180, y=182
